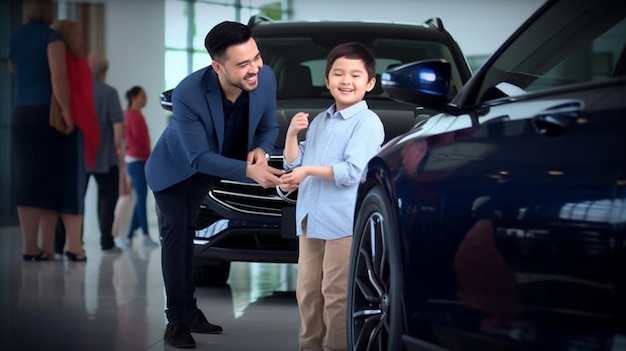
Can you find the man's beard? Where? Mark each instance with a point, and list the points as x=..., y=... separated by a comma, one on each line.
x=241, y=84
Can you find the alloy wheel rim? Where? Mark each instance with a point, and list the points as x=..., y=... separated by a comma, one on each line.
x=371, y=302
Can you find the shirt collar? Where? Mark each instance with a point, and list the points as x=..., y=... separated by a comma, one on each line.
x=242, y=99
x=347, y=112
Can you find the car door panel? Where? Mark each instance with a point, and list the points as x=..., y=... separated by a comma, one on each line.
x=536, y=222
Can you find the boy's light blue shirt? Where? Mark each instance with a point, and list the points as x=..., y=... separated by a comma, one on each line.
x=345, y=140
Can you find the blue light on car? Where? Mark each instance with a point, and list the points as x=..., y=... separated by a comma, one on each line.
x=427, y=75
x=385, y=79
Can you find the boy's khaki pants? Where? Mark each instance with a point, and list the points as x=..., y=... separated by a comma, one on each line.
x=321, y=292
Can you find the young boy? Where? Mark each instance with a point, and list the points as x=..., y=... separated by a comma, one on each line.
x=327, y=168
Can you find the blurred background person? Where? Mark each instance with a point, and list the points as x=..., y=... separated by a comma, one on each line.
x=106, y=170
x=37, y=58
x=138, y=148
x=110, y=167
x=83, y=143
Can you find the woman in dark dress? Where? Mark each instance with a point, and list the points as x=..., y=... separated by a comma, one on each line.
x=45, y=186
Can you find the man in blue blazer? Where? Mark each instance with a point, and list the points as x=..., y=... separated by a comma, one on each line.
x=224, y=126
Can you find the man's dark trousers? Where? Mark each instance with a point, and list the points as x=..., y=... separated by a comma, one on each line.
x=178, y=208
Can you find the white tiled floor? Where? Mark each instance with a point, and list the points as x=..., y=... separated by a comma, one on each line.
x=116, y=302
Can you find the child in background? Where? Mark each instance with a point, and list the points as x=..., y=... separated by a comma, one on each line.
x=137, y=152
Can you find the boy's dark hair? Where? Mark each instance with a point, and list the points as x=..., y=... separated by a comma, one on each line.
x=224, y=35
x=353, y=51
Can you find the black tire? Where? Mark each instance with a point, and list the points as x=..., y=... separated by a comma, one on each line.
x=211, y=275
x=375, y=320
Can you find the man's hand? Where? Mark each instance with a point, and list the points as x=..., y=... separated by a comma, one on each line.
x=257, y=156
x=263, y=174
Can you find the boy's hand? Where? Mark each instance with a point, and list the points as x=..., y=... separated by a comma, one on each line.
x=293, y=178
x=288, y=188
x=299, y=122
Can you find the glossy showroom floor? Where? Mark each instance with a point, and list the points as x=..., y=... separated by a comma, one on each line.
x=116, y=302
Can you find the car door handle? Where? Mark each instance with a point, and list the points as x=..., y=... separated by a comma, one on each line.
x=557, y=119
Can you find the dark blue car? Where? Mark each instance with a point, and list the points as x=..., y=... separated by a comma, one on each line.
x=500, y=223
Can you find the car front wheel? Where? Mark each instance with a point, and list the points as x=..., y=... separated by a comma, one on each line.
x=374, y=305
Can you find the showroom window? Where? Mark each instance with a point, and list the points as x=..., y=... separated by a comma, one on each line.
x=188, y=21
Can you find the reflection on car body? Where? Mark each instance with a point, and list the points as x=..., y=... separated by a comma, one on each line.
x=211, y=230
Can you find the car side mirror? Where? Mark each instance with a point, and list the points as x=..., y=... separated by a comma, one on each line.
x=166, y=100
x=423, y=83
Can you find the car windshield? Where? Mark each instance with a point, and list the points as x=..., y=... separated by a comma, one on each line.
x=299, y=62
x=587, y=45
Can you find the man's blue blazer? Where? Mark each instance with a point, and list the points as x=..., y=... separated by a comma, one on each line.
x=193, y=140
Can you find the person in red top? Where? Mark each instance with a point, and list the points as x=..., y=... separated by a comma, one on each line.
x=82, y=103
x=84, y=116
x=137, y=142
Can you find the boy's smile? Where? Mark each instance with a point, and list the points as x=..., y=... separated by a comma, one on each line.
x=348, y=82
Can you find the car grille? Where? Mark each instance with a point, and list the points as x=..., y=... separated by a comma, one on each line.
x=249, y=198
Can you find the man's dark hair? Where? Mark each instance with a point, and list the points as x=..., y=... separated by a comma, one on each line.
x=353, y=51
x=223, y=35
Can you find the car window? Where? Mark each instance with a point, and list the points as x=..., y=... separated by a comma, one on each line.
x=318, y=67
x=299, y=62
x=559, y=51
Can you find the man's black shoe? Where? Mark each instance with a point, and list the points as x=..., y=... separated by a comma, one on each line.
x=199, y=324
x=177, y=334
